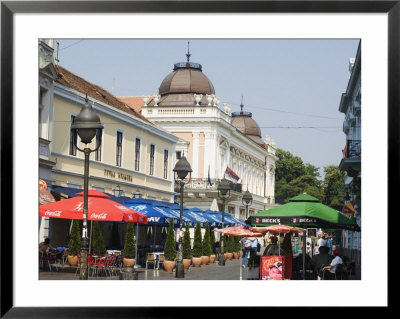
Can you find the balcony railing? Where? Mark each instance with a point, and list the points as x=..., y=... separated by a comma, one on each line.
x=203, y=184
x=352, y=149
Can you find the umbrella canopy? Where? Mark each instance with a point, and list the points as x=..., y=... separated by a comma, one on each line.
x=100, y=208
x=277, y=229
x=305, y=211
x=203, y=218
x=214, y=205
x=238, y=231
x=228, y=219
x=156, y=215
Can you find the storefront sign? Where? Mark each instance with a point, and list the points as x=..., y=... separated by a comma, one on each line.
x=120, y=176
x=42, y=184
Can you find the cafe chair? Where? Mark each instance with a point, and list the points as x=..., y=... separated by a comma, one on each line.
x=160, y=260
x=150, y=259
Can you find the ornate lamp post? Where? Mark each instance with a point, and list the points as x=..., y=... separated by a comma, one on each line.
x=137, y=194
x=86, y=124
x=247, y=200
x=181, y=170
x=117, y=191
x=224, y=192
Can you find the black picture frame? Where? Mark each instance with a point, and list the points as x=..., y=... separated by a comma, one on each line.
x=9, y=8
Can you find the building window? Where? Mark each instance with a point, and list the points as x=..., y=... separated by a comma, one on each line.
x=98, y=142
x=152, y=151
x=119, y=149
x=73, y=138
x=165, y=164
x=178, y=155
x=137, y=154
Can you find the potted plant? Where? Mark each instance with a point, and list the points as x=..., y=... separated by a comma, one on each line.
x=197, y=246
x=186, y=249
x=236, y=247
x=228, y=248
x=74, y=246
x=212, y=243
x=99, y=248
x=206, y=246
x=129, y=246
x=169, y=248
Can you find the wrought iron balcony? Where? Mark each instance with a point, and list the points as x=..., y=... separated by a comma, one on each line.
x=353, y=149
x=202, y=184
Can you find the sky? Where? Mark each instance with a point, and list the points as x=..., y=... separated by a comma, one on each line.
x=292, y=87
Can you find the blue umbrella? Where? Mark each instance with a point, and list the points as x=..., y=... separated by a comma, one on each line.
x=203, y=218
x=155, y=215
x=217, y=216
x=175, y=209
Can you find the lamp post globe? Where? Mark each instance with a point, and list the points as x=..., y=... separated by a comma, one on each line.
x=181, y=170
x=224, y=192
x=87, y=124
x=247, y=200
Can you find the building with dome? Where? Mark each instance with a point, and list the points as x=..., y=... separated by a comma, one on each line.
x=216, y=142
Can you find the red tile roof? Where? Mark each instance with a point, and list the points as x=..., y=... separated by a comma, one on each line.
x=135, y=102
x=94, y=91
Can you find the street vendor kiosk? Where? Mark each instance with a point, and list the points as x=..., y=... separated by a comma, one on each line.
x=276, y=267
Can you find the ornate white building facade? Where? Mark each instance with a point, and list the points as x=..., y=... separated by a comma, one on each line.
x=216, y=142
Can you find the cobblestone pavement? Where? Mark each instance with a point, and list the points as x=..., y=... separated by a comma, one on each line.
x=231, y=271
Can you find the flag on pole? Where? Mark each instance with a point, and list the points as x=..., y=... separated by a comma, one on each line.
x=231, y=174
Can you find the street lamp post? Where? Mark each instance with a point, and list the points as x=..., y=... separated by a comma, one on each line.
x=137, y=194
x=181, y=170
x=86, y=124
x=224, y=192
x=117, y=191
x=247, y=200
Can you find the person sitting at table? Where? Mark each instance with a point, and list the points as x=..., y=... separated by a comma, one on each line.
x=330, y=270
x=320, y=260
x=45, y=246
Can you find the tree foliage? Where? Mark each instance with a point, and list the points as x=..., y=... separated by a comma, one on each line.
x=169, y=249
x=99, y=248
x=186, y=249
x=74, y=246
x=197, y=245
x=130, y=244
x=333, y=187
x=206, y=243
x=293, y=177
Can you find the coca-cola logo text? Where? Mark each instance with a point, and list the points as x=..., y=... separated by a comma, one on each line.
x=53, y=214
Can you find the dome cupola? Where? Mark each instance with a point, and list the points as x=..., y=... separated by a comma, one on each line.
x=244, y=122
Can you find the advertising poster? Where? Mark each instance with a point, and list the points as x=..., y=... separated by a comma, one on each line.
x=271, y=268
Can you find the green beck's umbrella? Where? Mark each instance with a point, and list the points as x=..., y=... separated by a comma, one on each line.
x=307, y=212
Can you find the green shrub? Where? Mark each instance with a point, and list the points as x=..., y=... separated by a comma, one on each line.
x=197, y=245
x=130, y=244
x=169, y=248
x=212, y=241
x=186, y=250
x=74, y=245
x=206, y=246
x=238, y=245
x=230, y=244
x=99, y=247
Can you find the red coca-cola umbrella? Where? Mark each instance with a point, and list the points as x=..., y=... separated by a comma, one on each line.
x=238, y=231
x=100, y=208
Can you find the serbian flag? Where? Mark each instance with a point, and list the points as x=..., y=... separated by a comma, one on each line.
x=231, y=174
x=349, y=209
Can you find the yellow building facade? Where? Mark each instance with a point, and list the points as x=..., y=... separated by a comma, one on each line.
x=134, y=156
